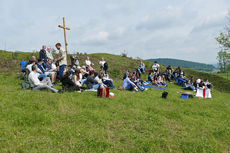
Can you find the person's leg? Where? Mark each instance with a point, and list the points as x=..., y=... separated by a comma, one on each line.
x=95, y=87
x=61, y=70
x=47, y=80
x=140, y=87
x=41, y=87
x=41, y=76
x=54, y=77
x=139, y=70
x=83, y=82
x=108, y=83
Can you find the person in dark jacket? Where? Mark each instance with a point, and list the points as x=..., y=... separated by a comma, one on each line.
x=91, y=83
x=42, y=53
x=68, y=84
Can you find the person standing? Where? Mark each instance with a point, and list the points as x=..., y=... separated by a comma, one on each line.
x=102, y=62
x=49, y=53
x=141, y=67
x=88, y=64
x=62, y=59
x=156, y=67
x=42, y=53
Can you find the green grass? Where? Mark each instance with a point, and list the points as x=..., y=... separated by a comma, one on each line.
x=33, y=121
x=225, y=75
x=220, y=83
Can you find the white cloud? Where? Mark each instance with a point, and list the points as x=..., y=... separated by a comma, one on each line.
x=174, y=29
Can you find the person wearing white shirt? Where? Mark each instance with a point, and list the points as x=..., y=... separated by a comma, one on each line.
x=77, y=78
x=36, y=84
x=87, y=61
x=49, y=53
x=88, y=64
x=156, y=67
x=39, y=73
x=102, y=62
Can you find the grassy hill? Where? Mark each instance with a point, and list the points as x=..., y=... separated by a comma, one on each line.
x=33, y=121
x=185, y=64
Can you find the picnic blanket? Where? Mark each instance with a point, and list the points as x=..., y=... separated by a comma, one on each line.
x=153, y=87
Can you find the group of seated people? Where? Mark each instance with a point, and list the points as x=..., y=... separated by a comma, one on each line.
x=78, y=76
x=44, y=72
x=192, y=84
x=133, y=81
x=158, y=78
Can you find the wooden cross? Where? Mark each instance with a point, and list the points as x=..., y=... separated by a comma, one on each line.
x=65, y=28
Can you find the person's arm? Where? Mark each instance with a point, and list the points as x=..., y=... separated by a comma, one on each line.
x=62, y=57
x=35, y=80
x=131, y=82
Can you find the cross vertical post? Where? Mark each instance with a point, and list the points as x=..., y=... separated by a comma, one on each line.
x=64, y=28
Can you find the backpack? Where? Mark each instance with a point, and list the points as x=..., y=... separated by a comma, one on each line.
x=164, y=94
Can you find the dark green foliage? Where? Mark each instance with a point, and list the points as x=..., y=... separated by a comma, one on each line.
x=219, y=82
x=185, y=64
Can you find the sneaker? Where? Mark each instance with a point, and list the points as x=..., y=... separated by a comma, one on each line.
x=60, y=91
x=54, y=84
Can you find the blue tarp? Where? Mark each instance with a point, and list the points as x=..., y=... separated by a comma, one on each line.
x=153, y=87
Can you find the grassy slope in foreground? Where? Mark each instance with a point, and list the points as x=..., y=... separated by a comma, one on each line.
x=132, y=122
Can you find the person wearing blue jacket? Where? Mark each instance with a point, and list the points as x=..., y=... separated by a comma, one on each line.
x=129, y=85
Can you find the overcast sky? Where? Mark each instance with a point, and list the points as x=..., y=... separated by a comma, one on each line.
x=183, y=29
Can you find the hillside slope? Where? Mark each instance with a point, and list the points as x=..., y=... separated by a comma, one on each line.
x=10, y=63
x=185, y=64
x=32, y=121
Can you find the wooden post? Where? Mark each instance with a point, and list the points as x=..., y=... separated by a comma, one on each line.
x=64, y=28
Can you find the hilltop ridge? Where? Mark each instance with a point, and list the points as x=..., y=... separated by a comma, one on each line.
x=185, y=64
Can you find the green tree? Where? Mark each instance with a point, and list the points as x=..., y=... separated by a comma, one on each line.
x=223, y=60
x=223, y=56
